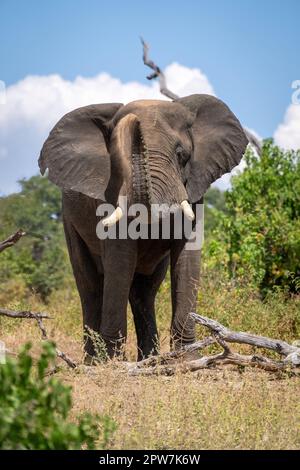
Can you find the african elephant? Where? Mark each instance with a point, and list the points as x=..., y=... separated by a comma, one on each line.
x=151, y=151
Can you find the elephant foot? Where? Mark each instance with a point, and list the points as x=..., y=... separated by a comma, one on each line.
x=115, y=348
x=103, y=349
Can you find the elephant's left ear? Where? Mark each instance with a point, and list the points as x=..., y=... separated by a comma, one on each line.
x=219, y=142
x=76, y=151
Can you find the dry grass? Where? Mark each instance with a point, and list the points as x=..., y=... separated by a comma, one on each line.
x=212, y=409
x=208, y=410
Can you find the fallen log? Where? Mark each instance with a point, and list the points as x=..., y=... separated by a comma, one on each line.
x=169, y=363
x=281, y=347
x=179, y=354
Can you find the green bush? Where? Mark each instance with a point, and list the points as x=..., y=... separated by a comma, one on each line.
x=214, y=205
x=258, y=237
x=40, y=258
x=34, y=408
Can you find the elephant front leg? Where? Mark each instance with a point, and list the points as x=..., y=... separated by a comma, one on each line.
x=119, y=267
x=90, y=287
x=185, y=274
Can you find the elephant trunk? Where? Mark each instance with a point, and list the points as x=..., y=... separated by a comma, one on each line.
x=167, y=185
x=130, y=175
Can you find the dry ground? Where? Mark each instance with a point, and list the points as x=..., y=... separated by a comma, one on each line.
x=226, y=408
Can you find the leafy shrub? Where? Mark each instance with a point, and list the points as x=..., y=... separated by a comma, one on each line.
x=214, y=204
x=34, y=408
x=258, y=237
x=40, y=258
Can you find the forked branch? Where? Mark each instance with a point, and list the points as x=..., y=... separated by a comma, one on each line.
x=10, y=241
x=59, y=353
x=39, y=319
x=22, y=314
x=170, y=363
x=281, y=347
x=157, y=73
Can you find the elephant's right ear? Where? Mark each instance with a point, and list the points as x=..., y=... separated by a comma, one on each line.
x=76, y=150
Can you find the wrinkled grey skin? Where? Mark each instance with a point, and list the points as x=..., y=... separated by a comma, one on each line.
x=152, y=152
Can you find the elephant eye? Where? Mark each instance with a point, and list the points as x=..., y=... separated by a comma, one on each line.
x=182, y=155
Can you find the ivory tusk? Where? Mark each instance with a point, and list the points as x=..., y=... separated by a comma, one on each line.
x=187, y=210
x=113, y=218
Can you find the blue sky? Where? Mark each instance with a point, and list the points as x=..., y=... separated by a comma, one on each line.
x=247, y=49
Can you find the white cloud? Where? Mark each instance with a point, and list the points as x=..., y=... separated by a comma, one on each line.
x=287, y=134
x=36, y=103
x=33, y=105
x=185, y=81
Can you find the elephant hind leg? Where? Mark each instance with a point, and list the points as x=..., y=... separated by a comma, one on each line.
x=142, y=301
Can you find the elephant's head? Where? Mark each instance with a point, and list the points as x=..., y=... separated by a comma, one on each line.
x=153, y=152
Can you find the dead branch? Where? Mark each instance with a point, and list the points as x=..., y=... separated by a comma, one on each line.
x=165, y=91
x=207, y=362
x=22, y=314
x=168, y=364
x=39, y=319
x=157, y=73
x=12, y=240
x=281, y=347
x=59, y=353
x=173, y=356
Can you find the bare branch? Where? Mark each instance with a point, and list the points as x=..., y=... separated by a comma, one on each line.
x=12, y=240
x=59, y=353
x=22, y=314
x=39, y=319
x=281, y=347
x=157, y=73
x=171, y=357
x=206, y=362
x=222, y=343
x=165, y=91
x=177, y=361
